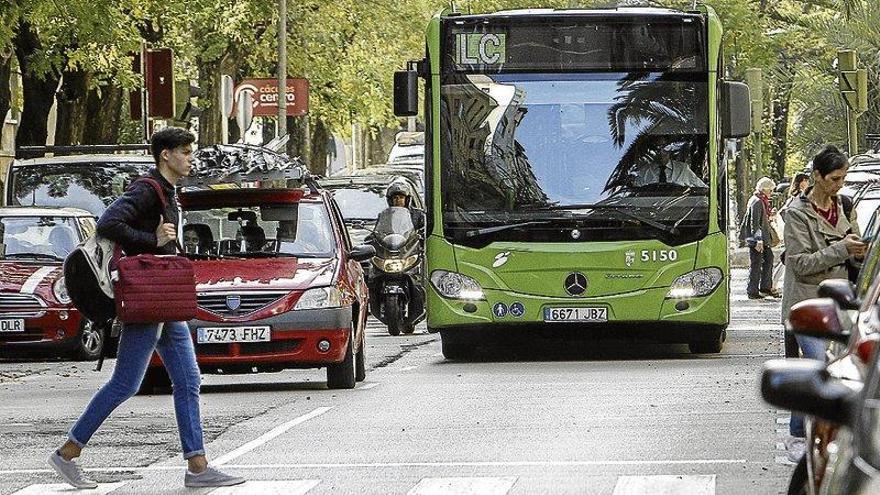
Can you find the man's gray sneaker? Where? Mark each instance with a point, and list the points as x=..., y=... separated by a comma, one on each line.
x=210, y=478
x=70, y=472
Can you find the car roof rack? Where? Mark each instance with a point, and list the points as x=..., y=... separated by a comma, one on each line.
x=227, y=166
x=24, y=152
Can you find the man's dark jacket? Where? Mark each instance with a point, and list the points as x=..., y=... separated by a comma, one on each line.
x=131, y=221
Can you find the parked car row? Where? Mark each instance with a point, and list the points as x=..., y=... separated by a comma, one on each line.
x=841, y=396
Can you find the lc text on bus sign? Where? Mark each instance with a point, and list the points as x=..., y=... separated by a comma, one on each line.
x=265, y=95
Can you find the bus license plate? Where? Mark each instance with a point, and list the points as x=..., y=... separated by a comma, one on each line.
x=16, y=325
x=590, y=314
x=225, y=335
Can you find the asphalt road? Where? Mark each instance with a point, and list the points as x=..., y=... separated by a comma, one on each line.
x=548, y=416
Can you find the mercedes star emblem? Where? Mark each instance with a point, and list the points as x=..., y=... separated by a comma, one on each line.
x=576, y=284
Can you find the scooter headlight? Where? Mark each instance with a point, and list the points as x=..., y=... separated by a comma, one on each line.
x=453, y=285
x=320, y=298
x=395, y=265
x=697, y=283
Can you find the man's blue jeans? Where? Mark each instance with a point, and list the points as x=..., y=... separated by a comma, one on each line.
x=136, y=345
x=812, y=348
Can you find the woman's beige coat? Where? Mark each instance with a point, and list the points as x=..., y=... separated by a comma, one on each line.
x=814, y=250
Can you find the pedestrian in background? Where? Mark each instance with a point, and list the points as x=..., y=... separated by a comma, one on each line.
x=819, y=239
x=137, y=222
x=757, y=233
x=798, y=186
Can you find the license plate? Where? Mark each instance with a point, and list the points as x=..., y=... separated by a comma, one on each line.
x=225, y=335
x=12, y=325
x=593, y=314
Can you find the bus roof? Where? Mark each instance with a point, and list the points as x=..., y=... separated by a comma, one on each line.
x=611, y=11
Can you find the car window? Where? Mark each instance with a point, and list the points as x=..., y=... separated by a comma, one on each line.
x=869, y=273
x=39, y=236
x=91, y=186
x=290, y=229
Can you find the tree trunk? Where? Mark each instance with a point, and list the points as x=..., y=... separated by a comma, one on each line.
x=209, y=121
x=320, y=138
x=5, y=91
x=72, y=101
x=296, y=128
x=103, y=115
x=38, y=90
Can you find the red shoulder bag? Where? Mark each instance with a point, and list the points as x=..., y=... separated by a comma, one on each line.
x=151, y=288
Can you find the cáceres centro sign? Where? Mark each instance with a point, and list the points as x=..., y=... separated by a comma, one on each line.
x=265, y=95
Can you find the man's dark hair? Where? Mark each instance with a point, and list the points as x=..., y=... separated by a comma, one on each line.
x=828, y=160
x=169, y=138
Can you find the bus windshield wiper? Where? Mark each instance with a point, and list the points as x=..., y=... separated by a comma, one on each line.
x=619, y=209
x=501, y=228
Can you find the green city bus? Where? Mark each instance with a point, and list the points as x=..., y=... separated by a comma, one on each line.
x=575, y=173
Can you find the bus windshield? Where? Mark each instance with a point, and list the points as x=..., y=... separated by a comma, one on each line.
x=620, y=154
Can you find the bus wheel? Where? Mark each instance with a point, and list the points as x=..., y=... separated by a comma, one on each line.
x=713, y=345
x=454, y=345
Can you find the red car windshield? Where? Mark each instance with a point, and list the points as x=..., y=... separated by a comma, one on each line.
x=38, y=237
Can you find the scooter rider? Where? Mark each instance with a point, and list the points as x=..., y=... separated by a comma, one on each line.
x=398, y=195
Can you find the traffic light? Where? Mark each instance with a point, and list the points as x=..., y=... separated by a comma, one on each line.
x=184, y=105
x=852, y=81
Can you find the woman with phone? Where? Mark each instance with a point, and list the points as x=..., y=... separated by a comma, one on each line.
x=819, y=240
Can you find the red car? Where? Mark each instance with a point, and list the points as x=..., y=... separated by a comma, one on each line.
x=278, y=283
x=35, y=311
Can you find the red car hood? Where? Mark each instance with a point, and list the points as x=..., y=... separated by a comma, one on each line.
x=28, y=278
x=264, y=273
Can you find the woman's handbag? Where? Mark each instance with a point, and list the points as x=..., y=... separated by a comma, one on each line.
x=150, y=288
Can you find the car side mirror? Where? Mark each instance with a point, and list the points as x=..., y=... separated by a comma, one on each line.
x=736, y=110
x=841, y=291
x=805, y=386
x=362, y=252
x=818, y=317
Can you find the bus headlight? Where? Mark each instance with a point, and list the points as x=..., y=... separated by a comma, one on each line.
x=395, y=265
x=320, y=298
x=60, y=291
x=453, y=285
x=697, y=283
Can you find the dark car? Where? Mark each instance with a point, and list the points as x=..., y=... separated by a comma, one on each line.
x=35, y=310
x=848, y=317
x=279, y=284
x=362, y=197
x=414, y=173
x=88, y=181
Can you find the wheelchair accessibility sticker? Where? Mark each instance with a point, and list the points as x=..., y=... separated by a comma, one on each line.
x=517, y=309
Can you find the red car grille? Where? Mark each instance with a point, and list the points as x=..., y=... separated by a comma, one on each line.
x=248, y=348
x=14, y=305
x=243, y=303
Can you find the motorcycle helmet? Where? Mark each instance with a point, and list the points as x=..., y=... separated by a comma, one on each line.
x=397, y=188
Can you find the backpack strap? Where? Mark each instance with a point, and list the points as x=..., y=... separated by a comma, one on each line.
x=162, y=197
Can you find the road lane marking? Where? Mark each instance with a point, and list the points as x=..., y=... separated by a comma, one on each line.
x=368, y=386
x=407, y=368
x=676, y=462
x=59, y=488
x=287, y=487
x=665, y=485
x=268, y=436
x=463, y=486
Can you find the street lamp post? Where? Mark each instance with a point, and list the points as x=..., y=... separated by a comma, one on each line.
x=282, y=67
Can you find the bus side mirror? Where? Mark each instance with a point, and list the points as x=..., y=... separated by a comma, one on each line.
x=406, y=93
x=736, y=110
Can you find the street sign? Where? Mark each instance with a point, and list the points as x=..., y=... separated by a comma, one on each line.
x=227, y=86
x=159, y=68
x=264, y=92
x=244, y=113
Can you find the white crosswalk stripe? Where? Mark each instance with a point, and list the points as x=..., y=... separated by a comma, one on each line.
x=58, y=488
x=665, y=485
x=463, y=486
x=285, y=487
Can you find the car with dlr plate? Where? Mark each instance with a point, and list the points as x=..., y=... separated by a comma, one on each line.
x=278, y=283
x=35, y=310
